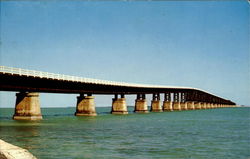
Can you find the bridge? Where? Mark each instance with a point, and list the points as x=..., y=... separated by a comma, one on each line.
x=29, y=83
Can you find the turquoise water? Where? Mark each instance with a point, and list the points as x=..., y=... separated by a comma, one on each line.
x=199, y=134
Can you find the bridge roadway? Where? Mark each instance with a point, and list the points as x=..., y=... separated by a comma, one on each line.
x=29, y=83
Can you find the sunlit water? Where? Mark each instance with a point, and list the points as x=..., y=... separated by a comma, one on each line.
x=215, y=133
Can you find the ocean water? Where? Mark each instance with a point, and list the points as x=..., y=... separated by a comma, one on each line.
x=222, y=133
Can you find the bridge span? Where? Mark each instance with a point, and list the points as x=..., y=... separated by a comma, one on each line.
x=29, y=83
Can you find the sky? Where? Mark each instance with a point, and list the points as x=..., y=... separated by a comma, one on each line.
x=201, y=44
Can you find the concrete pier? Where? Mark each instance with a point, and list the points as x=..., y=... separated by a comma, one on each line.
x=203, y=105
x=210, y=106
x=213, y=106
x=176, y=102
x=167, y=106
x=207, y=105
x=119, y=105
x=85, y=106
x=167, y=103
x=141, y=104
x=197, y=105
x=156, y=103
x=183, y=102
x=156, y=106
x=27, y=106
x=177, y=106
x=190, y=105
x=183, y=105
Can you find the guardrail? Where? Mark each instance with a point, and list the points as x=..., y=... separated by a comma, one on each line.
x=40, y=74
x=48, y=75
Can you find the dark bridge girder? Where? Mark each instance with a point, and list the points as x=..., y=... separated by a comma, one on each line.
x=22, y=83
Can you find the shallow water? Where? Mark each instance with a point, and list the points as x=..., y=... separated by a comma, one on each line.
x=199, y=134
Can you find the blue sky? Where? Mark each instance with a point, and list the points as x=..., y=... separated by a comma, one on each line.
x=192, y=43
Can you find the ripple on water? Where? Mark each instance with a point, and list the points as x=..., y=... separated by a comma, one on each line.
x=217, y=133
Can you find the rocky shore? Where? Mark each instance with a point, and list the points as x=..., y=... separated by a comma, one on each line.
x=9, y=151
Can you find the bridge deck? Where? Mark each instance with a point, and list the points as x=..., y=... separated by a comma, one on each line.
x=17, y=79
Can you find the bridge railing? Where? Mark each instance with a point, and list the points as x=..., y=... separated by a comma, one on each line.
x=48, y=75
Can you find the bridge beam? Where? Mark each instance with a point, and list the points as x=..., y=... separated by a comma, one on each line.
x=141, y=104
x=156, y=103
x=27, y=106
x=119, y=105
x=85, y=105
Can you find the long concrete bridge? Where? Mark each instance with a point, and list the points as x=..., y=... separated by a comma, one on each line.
x=29, y=83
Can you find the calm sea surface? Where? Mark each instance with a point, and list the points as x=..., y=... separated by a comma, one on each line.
x=200, y=134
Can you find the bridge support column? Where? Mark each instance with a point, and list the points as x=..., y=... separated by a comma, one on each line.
x=85, y=106
x=197, y=105
x=216, y=106
x=183, y=102
x=203, y=105
x=167, y=104
x=210, y=106
x=190, y=105
x=141, y=104
x=27, y=106
x=183, y=105
x=213, y=106
x=177, y=106
x=119, y=105
x=156, y=103
x=176, y=103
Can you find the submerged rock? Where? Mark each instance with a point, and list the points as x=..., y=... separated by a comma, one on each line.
x=8, y=151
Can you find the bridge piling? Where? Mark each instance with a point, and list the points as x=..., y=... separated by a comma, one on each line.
x=197, y=105
x=119, y=105
x=211, y=105
x=141, y=104
x=183, y=101
x=204, y=105
x=156, y=103
x=183, y=105
x=176, y=103
x=190, y=105
x=167, y=103
x=27, y=106
x=85, y=106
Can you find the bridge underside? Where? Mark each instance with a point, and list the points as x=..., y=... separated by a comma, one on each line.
x=21, y=83
x=175, y=99
x=11, y=82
